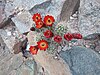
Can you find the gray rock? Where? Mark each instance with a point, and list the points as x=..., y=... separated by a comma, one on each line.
x=89, y=17
x=23, y=19
x=82, y=61
x=51, y=7
x=94, y=36
x=5, y=22
x=8, y=40
x=69, y=8
x=2, y=6
x=11, y=64
x=11, y=5
x=28, y=68
x=98, y=1
x=61, y=10
x=4, y=51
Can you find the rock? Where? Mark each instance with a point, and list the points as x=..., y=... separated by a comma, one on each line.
x=5, y=22
x=69, y=8
x=94, y=36
x=59, y=49
x=16, y=66
x=97, y=46
x=52, y=65
x=33, y=39
x=75, y=15
x=98, y=1
x=51, y=7
x=71, y=18
x=0, y=14
x=4, y=51
x=21, y=46
x=72, y=25
x=28, y=68
x=20, y=4
x=2, y=6
x=23, y=21
x=8, y=33
x=11, y=64
x=89, y=17
x=61, y=10
x=64, y=48
x=9, y=40
x=82, y=61
x=17, y=48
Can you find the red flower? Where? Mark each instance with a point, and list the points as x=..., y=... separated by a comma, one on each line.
x=39, y=24
x=57, y=38
x=48, y=34
x=33, y=49
x=68, y=36
x=77, y=36
x=49, y=20
x=36, y=17
x=42, y=45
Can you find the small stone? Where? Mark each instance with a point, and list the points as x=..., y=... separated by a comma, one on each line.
x=17, y=48
x=72, y=18
x=14, y=34
x=59, y=49
x=27, y=48
x=70, y=44
x=75, y=43
x=9, y=33
x=19, y=13
x=21, y=8
x=92, y=47
x=64, y=49
x=74, y=15
x=41, y=70
x=55, y=57
x=97, y=48
x=87, y=46
x=30, y=58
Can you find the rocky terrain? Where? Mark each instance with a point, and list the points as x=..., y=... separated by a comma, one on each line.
x=82, y=57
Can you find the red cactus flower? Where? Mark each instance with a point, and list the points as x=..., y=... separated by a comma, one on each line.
x=33, y=50
x=77, y=36
x=57, y=38
x=42, y=45
x=49, y=20
x=39, y=24
x=48, y=34
x=68, y=36
x=36, y=17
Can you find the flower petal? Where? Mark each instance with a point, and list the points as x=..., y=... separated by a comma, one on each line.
x=33, y=49
x=36, y=17
x=49, y=20
x=42, y=45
